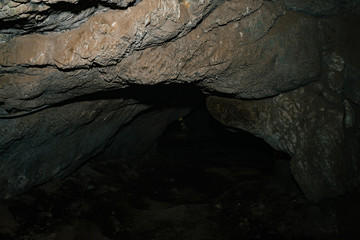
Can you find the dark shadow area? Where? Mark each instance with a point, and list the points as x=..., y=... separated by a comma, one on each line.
x=74, y=8
x=163, y=96
x=198, y=181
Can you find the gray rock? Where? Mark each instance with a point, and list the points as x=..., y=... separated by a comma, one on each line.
x=44, y=16
x=303, y=124
x=54, y=52
x=57, y=140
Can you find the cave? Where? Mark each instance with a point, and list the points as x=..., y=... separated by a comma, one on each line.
x=179, y=119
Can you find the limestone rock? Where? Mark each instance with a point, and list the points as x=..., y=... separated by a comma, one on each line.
x=116, y=48
x=20, y=17
x=118, y=3
x=37, y=147
x=55, y=54
x=303, y=124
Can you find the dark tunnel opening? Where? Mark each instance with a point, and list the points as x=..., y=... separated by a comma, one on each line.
x=189, y=178
x=115, y=115
x=189, y=183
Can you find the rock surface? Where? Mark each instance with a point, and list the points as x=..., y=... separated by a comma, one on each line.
x=303, y=124
x=115, y=50
x=55, y=55
x=210, y=190
x=37, y=147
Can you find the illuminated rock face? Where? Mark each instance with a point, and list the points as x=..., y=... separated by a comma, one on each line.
x=305, y=125
x=62, y=61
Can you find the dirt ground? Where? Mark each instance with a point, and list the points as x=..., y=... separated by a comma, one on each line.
x=193, y=185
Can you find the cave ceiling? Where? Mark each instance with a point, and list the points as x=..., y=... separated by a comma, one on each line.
x=287, y=71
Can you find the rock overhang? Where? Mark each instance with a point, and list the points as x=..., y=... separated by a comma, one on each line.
x=240, y=48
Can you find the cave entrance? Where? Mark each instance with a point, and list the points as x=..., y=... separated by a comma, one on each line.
x=198, y=180
x=199, y=154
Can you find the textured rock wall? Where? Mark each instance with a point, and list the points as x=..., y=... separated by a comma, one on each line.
x=318, y=125
x=305, y=125
x=53, y=53
x=57, y=140
x=114, y=49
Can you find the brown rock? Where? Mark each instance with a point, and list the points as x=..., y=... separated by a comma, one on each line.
x=265, y=56
x=243, y=48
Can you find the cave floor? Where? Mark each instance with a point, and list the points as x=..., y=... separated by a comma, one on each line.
x=190, y=188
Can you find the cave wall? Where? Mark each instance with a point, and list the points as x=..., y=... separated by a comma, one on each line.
x=300, y=58
x=304, y=124
x=58, y=140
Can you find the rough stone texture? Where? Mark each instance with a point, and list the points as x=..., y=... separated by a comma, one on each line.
x=303, y=124
x=18, y=17
x=115, y=48
x=37, y=147
x=106, y=38
x=13, y=10
x=240, y=63
x=54, y=52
